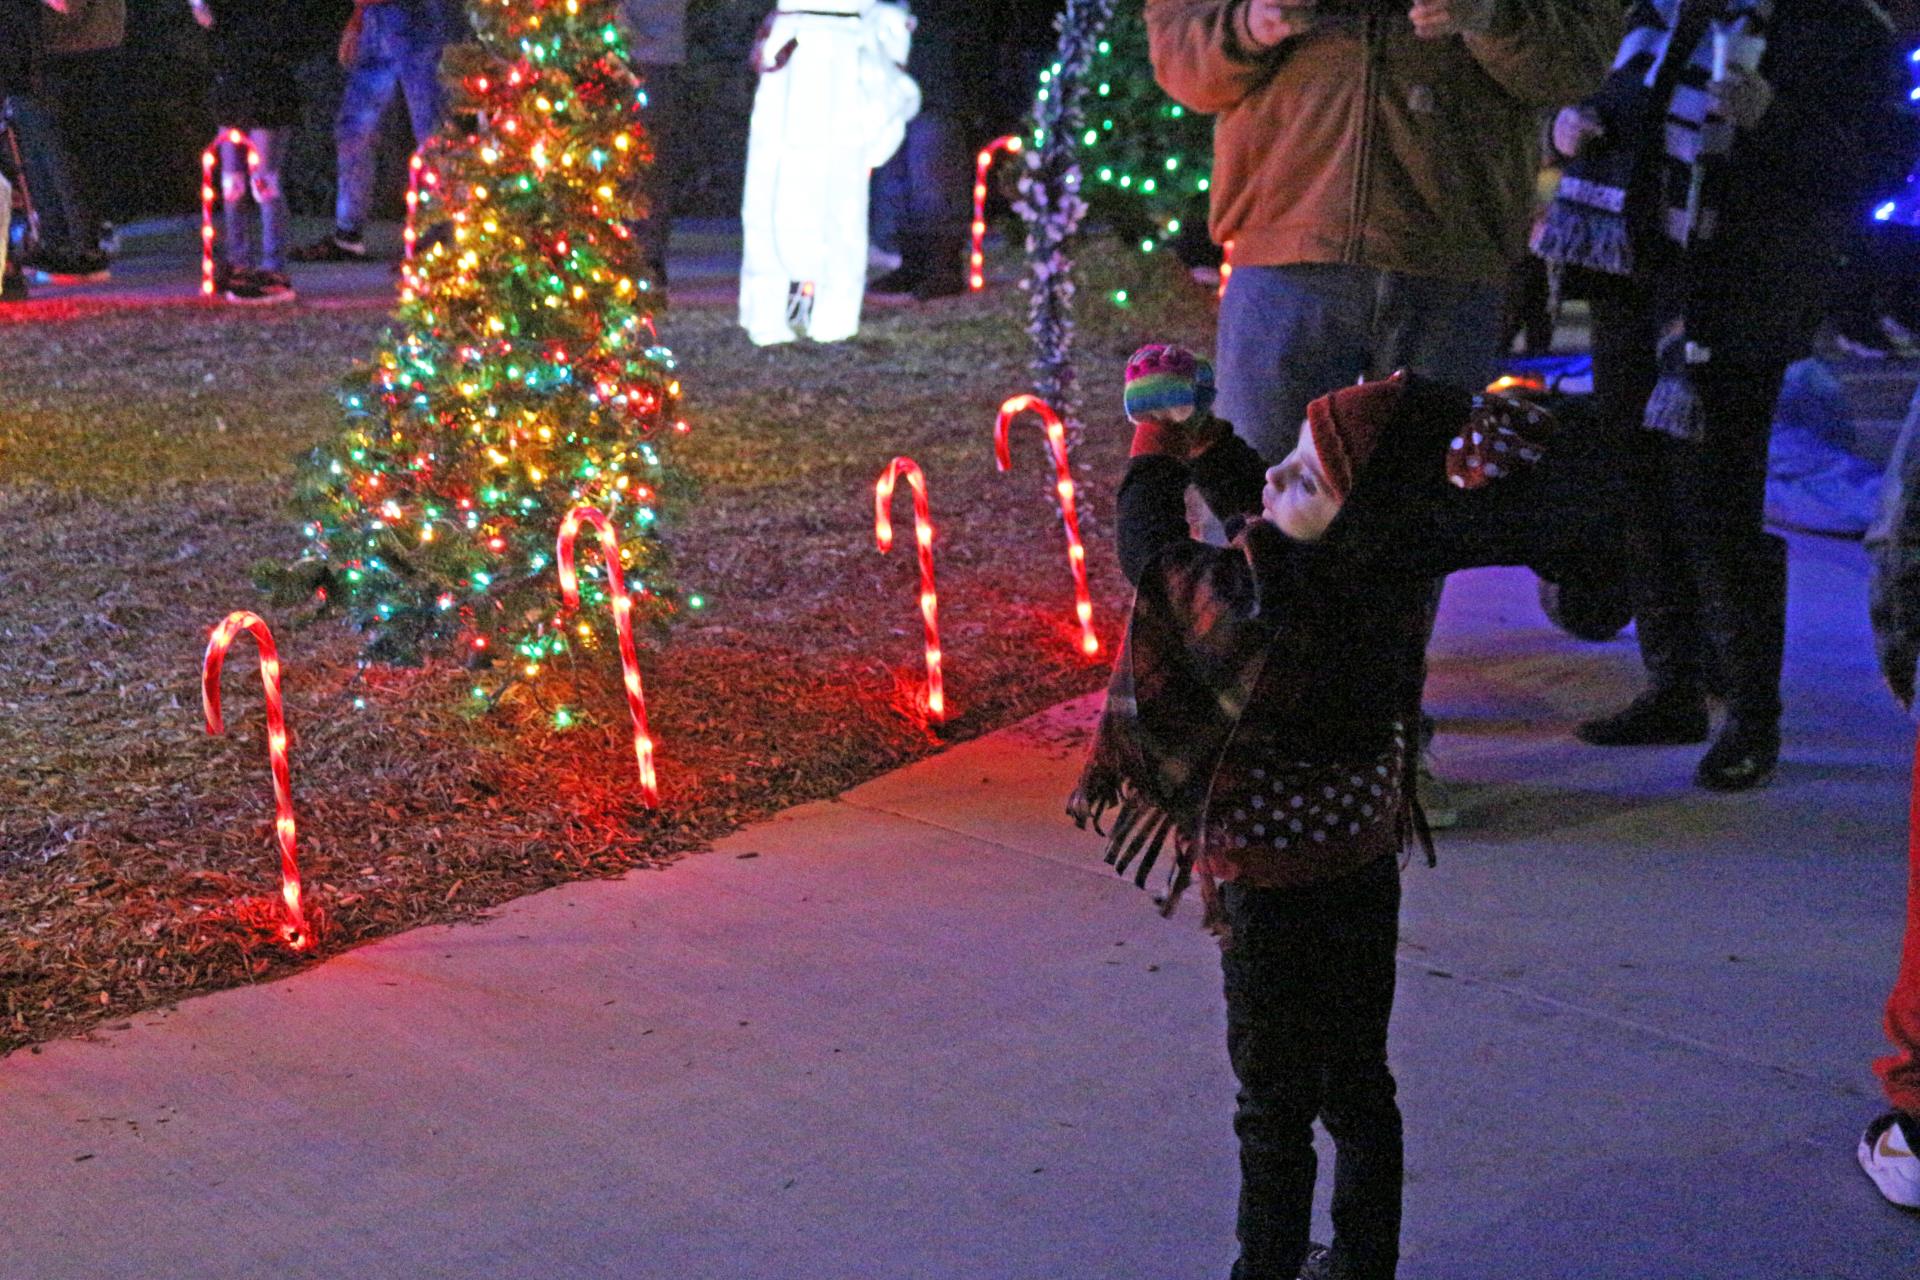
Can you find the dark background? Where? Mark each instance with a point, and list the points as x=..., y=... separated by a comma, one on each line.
x=146, y=163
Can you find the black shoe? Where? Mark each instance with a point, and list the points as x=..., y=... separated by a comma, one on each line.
x=254, y=288
x=1318, y=1264
x=70, y=266
x=1657, y=718
x=13, y=287
x=340, y=246
x=1741, y=758
x=902, y=281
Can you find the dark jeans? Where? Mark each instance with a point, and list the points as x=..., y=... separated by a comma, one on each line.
x=921, y=201
x=398, y=49
x=1709, y=584
x=66, y=224
x=1309, y=982
x=663, y=180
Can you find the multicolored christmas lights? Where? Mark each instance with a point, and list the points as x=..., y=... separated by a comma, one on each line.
x=294, y=930
x=982, y=166
x=1063, y=492
x=923, y=539
x=521, y=377
x=623, y=623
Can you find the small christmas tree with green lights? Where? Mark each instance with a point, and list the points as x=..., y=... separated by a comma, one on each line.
x=521, y=376
x=1149, y=159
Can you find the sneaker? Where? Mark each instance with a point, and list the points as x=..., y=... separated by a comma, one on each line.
x=1886, y=1153
x=1318, y=1264
x=1741, y=758
x=1436, y=797
x=338, y=246
x=1657, y=718
x=1900, y=339
x=260, y=288
x=882, y=260
x=1861, y=342
x=68, y=266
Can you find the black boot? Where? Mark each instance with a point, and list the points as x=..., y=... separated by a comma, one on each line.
x=1747, y=616
x=904, y=280
x=1741, y=758
x=1663, y=716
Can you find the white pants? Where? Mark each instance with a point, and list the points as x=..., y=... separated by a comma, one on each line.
x=804, y=264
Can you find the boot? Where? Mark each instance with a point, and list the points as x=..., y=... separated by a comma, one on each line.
x=1663, y=716
x=943, y=270
x=1747, y=616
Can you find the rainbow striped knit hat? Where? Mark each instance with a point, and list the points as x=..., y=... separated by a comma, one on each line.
x=1167, y=383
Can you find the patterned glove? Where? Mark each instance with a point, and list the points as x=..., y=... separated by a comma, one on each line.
x=1501, y=436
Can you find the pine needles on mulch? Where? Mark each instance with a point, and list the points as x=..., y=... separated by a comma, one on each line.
x=144, y=462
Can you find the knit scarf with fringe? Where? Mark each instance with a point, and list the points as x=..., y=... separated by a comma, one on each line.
x=1589, y=223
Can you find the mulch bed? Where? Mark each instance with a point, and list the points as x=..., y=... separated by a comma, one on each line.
x=145, y=456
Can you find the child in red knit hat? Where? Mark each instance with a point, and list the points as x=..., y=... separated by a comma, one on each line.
x=1258, y=720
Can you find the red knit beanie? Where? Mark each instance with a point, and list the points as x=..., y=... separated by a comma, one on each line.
x=1347, y=424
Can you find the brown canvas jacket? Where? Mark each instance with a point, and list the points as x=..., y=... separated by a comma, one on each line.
x=1359, y=142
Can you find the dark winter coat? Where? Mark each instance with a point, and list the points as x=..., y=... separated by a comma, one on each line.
x=1837, y=136
x=250, y=51
x=1893, y=546
x=1272, y=654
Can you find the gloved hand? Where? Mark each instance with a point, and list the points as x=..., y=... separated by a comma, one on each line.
x=1169, y=399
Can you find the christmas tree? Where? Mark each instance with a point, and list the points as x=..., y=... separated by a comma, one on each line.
x=1149, y=158
x=521, y=376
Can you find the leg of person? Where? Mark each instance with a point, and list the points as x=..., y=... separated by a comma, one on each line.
x=662, y=181
x=1358, y=933
x=68, y=247
x=887, y=220
x=1741, y=569
x=417, y=53
x=270, y=150
x=1672, y=709
x=371, y=79
x=938, y=187
x=81, y=89
x=1273, y=981
x=238, y=215
x=1287, y=336
x=1888, y=1149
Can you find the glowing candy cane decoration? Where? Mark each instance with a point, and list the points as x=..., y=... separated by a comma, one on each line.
x=1063, y=486
x=295, y=930
x=923, y=536
x=409, y=236
x=623, y=624
x=977, y=258
x=209, y=160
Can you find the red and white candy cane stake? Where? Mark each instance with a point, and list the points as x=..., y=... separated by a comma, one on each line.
x=294, y=930
x=982, y=163
x=923, y=537
x=209, y=161
x=1063, y=486
x=623, y=623
x=416, y=177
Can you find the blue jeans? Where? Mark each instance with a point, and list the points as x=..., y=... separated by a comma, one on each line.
x=398, y=47
x=261, y=180
x=66, y=224
x=925, y=189
x=1291, y=334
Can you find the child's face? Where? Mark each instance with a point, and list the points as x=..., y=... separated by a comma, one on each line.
x=1297, y=499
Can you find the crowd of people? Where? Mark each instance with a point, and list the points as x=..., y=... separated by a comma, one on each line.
x=1373, y=170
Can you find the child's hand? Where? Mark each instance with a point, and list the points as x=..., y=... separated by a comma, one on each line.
x=1168, y=398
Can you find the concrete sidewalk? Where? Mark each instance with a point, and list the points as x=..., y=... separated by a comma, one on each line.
x=923, y=1032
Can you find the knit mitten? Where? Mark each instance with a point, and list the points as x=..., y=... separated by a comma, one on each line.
x=1166, y=386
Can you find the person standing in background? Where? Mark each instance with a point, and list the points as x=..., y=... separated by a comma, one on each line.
x=1373, y=170
x=387, y=45
x=657, y=44
x=81, y=74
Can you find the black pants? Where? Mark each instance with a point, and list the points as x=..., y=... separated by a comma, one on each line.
x=1709, y=584
x=1309, y=982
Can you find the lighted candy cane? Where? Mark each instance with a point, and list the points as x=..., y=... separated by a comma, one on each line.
x=1063, y=486
x=295, y=930
x=209, y=160
x=409, y=235
x=623, y=624
x=923, y=537
x=977, y=258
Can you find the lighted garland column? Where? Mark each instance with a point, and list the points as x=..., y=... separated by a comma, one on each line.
x=521, y=376
x=1051, y=205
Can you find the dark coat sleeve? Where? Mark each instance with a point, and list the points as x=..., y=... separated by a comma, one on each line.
x=1893, y=547
x=1151, y=511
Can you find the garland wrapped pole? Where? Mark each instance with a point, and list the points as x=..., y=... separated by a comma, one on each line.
x=1051, y=205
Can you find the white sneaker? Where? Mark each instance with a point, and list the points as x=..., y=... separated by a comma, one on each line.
x=1886, y=1153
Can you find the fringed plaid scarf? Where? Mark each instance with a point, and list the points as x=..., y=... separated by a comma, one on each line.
x=1590, y=224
